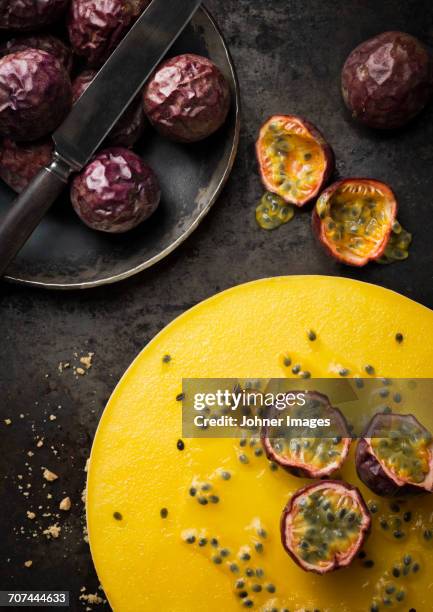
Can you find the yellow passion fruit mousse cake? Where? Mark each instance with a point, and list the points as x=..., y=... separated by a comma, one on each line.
x=185, y=524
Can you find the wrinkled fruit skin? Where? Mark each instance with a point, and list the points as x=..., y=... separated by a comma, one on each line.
x=309, y=470
x=318, y=224
x=115, y=192
x=365, y=528
x=96, y=27
x=187, y=99
x=370, y=470
x=130, y=126
x=43, y=42
x=270, y=157
x=35, y=95
x=20, y=162
x=387, y=80
x=30, y=14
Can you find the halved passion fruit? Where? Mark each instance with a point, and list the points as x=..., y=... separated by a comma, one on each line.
x=395, y=456
x=302, y=455
x=353, y=219
x=295, y=161
x=324, y=526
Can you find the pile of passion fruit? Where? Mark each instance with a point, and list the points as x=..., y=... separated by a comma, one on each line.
x=386, y=82
x=325, y=524
x=43, y=73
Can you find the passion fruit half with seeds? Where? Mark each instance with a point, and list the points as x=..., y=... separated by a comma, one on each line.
x=302, y=455
x=395, y=456
x=324, y=526
x=387, y=80
x=295, y=161
x=353, y=219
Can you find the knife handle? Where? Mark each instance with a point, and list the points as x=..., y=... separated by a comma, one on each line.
x=28, y=209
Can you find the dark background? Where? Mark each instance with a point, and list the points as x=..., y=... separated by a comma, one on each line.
x=288, y=56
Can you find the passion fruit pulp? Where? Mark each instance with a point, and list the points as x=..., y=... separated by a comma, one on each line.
x=324, y=526
x=395, y=456
x=272, y=211
x=309, y=457
x=353, y=219
x=295, y=161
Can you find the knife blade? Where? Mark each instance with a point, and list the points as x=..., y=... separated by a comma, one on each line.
x=94, y=115
x=121, y=78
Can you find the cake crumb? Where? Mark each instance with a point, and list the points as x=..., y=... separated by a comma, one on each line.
x=31, y=515
x=52, y=417
x=65, y=504
x=40, y=443
x=87, y=360
x=64, y=365
x=91, y=598
x=53, y=531
x=28, y=563
x=48, y=475
x=8, y=422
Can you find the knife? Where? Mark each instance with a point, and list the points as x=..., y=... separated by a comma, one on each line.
x=93, y=116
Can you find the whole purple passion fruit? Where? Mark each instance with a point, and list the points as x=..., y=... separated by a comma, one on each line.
x=395, y=456
x=20, y=162
x=324, y=526
x=387, y=80
x=35, y=94
x=30, y=14
x=115, y=192
x=130, y=126
x=97, y=26
x=187, y=99
x=43, y=42
x=295, y=161
x=298, y=452
x=353, y=220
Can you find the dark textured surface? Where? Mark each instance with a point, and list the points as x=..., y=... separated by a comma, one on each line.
x=288, y=56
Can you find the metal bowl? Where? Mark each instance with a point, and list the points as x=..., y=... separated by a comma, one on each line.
x=64, y=254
